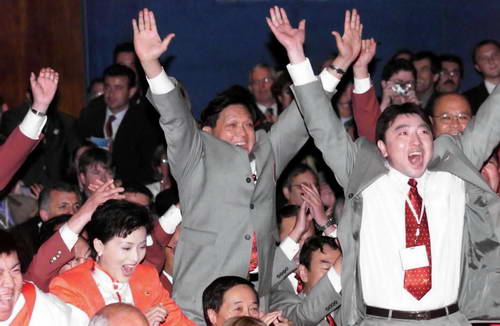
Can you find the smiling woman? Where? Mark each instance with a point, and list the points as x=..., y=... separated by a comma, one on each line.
x=117, y=238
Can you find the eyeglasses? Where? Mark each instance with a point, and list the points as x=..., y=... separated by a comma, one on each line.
x=447, y=118
x=262, y=81
x=450, y=73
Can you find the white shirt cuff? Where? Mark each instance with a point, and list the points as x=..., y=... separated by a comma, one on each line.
x=32, y=125
x=160, y=84
x=301, y=73
x=171, y=219
x=361, y=85
x=329, y=81
x=289, y=247
x=332, y=234
x=69, y=237
x=334, y=279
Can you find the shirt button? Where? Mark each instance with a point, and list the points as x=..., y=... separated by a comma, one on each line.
x=247, y=237
x=252, y=206
x=248, y=180
x=350, y=195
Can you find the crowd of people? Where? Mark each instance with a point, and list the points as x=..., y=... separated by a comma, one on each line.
x=301, y=199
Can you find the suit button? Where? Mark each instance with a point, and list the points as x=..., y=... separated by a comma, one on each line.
x=247, y=237
x=248, y=180
x=350, y=195
x=252, y=206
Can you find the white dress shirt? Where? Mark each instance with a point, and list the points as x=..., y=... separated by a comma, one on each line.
x=32, y=125
x=112, y=291
x=489, y=86
x=383, y=235
x=116, y=123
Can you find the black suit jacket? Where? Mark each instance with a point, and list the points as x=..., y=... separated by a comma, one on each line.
x=134, y=143
x=476, y=96
x=49, y=161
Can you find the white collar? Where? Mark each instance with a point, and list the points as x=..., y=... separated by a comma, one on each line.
x=489, y=86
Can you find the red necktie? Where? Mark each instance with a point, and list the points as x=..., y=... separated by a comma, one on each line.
x=330, y=320
x=254, y=257
x=108, y=129
x=418, y=280
x=300, y=283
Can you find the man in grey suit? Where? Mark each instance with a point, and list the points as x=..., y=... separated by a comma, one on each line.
x=226, y=176
x=419, y=235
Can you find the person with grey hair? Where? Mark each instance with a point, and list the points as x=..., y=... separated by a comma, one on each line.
x=260, y=81
x=119, y=314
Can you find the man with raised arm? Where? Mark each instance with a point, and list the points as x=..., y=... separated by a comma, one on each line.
x=26, y=136
x=419, y=234
x=226, y=175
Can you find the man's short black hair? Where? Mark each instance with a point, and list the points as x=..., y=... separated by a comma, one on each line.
x=402, y=51
x=294, y=171
x=117, y=218
x=213, y=294
x=167, y=198
x=452, y=58
x=394, y=66
x=312, y=244
x=433, y=59
x=138, y=188
x=233, y=95
x=286, y=212
x=480, y=44
x=93, y=156
x=8, y=243
x=123, y=47
x=392, y=112
x=43, y=200
x=118, y=70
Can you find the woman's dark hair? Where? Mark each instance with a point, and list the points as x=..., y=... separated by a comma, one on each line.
x=213, y=294
x=117, y=218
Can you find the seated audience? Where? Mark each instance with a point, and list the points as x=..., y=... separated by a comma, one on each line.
x=22, y=303
x=117, y=236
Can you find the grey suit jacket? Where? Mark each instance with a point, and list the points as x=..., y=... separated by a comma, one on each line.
x=304, y=310
x=221, y=206
x=357, y=164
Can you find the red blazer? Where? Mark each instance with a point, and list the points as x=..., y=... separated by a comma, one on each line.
x=78, y=287
x=13, y=153
x=53, y=254
x=366, y=110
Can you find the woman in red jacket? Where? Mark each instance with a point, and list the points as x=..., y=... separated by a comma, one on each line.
x=117, y=237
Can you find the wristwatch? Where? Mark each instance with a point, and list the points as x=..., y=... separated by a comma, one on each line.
x=329, y=222
x=337, y=69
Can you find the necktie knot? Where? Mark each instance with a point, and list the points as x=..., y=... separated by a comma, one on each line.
x=413, y=183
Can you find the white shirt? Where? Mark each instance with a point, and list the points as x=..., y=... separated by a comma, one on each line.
x=116, y=123
x=263, y=108
x=112, y=291
x=32, y=125
x=49, y=310
x=383, y=235
x=489, y=86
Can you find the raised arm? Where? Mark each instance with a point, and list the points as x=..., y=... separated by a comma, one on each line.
x=325, y=127
x=365, y=106
x=482, y=134
x=180, y=128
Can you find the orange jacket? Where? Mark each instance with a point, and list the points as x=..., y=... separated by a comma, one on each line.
x=23, y=318
x=77, y=287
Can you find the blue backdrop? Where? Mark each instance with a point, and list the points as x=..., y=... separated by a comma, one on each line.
x=218, y=41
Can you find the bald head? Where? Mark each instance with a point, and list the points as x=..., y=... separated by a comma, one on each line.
x=450, y=114
x=119, y=314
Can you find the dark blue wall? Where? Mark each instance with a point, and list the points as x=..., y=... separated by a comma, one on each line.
x=219, y=40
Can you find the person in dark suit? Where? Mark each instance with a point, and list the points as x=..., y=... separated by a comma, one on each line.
x=25, y=136
x=486, y=56
x=125, y=125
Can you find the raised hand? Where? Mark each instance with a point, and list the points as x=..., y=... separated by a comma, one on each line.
x=349, y=44
x=368, y=50
x=291, y=38
x=149, y=46
x=303, y=222
x=44, y=88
